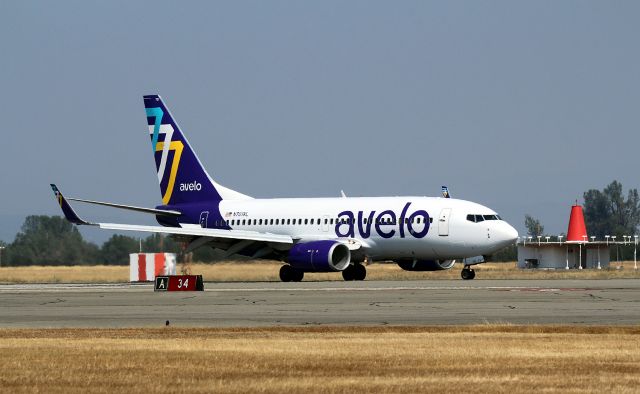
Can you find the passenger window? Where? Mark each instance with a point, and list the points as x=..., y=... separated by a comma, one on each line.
x=311, y=221
x=271, y=222
x=430, y=220
x=306, y=221
x=325, y=221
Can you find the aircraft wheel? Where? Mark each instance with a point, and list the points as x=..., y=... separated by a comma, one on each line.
x=360, y=272
x=297, y=275
x=348, y=274
x=468, y=274
x=286, y=273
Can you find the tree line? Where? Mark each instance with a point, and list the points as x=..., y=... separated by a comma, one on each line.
x=52, y=240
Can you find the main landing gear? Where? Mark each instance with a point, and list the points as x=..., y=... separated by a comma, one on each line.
x=354, y=272
x=290, y=274
x=467, y=273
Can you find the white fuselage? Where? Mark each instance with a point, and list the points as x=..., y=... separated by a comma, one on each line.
x=386, y=227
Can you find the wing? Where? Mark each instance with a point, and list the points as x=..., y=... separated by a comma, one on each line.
x=233, y=241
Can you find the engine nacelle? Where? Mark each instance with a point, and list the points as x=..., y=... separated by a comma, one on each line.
x=426, y=265
x=320, y=256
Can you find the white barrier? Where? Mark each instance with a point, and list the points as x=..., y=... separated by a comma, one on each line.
x=144, y=267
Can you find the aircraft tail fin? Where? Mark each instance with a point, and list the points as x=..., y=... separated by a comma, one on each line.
x=445, y=192
x=181, y=175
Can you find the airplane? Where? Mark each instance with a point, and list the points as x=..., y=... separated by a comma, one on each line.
x=306, y=234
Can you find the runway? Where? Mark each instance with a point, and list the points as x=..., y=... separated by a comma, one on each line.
x=260, y=304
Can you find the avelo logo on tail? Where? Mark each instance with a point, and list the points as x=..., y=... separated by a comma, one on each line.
x=189, y=187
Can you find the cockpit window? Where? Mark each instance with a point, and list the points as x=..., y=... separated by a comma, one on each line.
x=481, y=218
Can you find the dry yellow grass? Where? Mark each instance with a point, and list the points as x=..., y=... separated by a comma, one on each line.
x=320, y=359
x=64, y=274
x=268, y=271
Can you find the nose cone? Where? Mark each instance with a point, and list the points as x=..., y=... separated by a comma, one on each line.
x=505, y=235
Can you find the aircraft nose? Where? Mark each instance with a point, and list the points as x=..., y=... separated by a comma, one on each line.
x=506, y=234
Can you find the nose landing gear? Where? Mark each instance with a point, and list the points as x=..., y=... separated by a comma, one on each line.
x=467, y=273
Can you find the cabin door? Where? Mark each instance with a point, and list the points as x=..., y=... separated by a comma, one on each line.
x=443, y=222
x=204, y=218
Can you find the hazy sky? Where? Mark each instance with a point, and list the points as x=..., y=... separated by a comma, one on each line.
x=520, y=106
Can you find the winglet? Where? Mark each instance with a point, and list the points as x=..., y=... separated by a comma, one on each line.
x=69, y=213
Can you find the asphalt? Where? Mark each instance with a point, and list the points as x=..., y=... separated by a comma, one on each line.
x=264, y=304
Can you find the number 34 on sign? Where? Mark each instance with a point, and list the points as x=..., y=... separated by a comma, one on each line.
x=179, y=283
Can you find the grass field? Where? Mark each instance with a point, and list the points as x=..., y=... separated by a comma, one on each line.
x=490, y=358
x=268, y=271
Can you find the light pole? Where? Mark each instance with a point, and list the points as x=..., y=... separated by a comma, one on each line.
x=539, y=236
x=1, y=249
x=613, y=237
x=566, y=253
x=593, y=239
x=635, y=246
x=580, y=256
x=547, y=238
x=560, y=238
x=607, y=238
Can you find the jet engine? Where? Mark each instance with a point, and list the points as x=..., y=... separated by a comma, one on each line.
x=319, y=256
x=426, y=265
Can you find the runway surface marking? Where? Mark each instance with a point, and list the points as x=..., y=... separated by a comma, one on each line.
x=10, y=288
